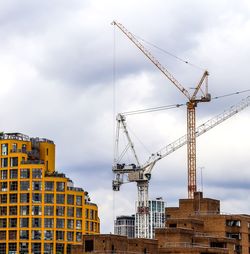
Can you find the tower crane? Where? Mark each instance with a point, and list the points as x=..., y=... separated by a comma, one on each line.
x=193, y=100
x=141, y=173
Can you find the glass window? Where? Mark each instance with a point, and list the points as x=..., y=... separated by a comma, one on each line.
x=60, y=186
x=36, y=222
x=70, y=212
x=48, y=198
x=70, y=199
x=12, y=247
x=24, y=234
x=3, y=210
x=3, y=223
x=13, y=174
x=48, y=222
x=36, y=247
x=49, y=186
x=4, y=162
x=4, y=174
x=59, y=235
x=24, y=222
x=36, y=198
x=12, y=235
x=14, y=161
x=78, y=236
x=78, y=200
x=25, y=173
x=14, y=148
x=13, y=210
x=59, y=223
x=70, y=236
x=78, y=212
x=48, y=235
x=36, y=210
x=24, y=148
x=60, y=198
x=24, y=247
x=24, y=185
x=3, y=198
x=36, y=173
x=48, y=247
x=36, y=235
x=4, y=186
x=13, y=186
x=13, y=222
x=24, y=198
x=78, y=224
x=24, y=210
x=36, y=185
x=4, y=149
x=70, y=223
x=2, y=235
x=60, y=210
x=49, y=210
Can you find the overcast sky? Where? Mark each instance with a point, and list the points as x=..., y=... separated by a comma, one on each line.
x=65, y=72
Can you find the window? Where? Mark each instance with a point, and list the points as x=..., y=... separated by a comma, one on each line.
x=70, y=224
x=36, y=210
x=36, y=234
x=70, y=199
x=3, y=223
x=78, y=212
x=233, y=223
x=59, y=223
x=2, y=235
x=12, y=235
x=4, y=149
x=4, y=174
x=4, y=162
x=13, y=210
x=36, y=198
x=48, y=235
x=48, y=198
x=3, y=248
x=36, y=247
x=36, y=173
x=13, y=198
x=60, y=186
x=3, y=198
x=59, y=235
x=48, y=222
x=87, y=226
x=13, y=186
x=49, y=186
x=60, y=198
x=37, y=186
x=24, y=197
x=78, y=200
x=24, y=185
x=25, y=173
x=13, y=174
x=14, y=161
x=3, y=210
x=60, y=210
x=36, y=222
x=59, y=248
x=70, y=212
x=49, y=210
x=24, y=148
x=4, y=186
x=78, y=224
x=24, y=234
x=78, y=236
x=13, y=222
x=24, y=247
x=24, y=222
x=24, y=210
x=70, y=236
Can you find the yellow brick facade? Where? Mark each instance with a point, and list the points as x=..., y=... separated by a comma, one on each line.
x=40, y=209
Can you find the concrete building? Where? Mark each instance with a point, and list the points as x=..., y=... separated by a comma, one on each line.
x=125, y=225
x=40, y=209
x=156, y=217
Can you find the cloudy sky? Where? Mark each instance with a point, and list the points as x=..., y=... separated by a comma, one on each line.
x=65, y=72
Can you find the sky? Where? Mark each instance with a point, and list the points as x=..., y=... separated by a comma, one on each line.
x=65, y=72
